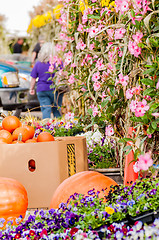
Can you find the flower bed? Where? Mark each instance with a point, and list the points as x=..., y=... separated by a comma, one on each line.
x=83, y=217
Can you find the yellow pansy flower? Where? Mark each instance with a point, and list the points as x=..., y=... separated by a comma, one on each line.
x=109, y=210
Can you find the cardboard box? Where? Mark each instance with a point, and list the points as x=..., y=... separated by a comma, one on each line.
x=54, y=162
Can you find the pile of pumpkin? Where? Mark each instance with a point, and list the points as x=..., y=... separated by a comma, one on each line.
x=13, y=131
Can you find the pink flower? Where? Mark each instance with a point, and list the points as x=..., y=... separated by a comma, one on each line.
x=103, y=96
x=136, y=167
x=96, y=85
x=91, y=47
x=110, y=33
x=71, y=79
x=141, y=108
x=133, y=105
x=100, y=64
x=69, y=116
x=155, y=114
x=80, y=28
x=95, y=110
x=84, y=17
x=129, y=93
x=134, y=49
x=92, y=31
x=157, y=85
x=81, y=45
x=96, y=76
x=51, y=68
x=137, y=37
x=68, y=57
x=119, y=33
x=145, y=161
x=109, y=131
x=122, y=80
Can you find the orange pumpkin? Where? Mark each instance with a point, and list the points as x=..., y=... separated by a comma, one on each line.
x=33, y=140
x=81, y=182
x=13, y=199
x=6, y=135
x=45, y=137
x=21, y=131
x=10, y=123
x=31, y=130
x=3, y=140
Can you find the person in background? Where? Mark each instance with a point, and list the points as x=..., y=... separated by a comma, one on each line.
x=49, y=99
x=36, y=49
x=17, y=48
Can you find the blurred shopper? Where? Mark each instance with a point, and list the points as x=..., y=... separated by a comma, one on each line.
x=50, y=101
x=17, y=47
x=36, y=49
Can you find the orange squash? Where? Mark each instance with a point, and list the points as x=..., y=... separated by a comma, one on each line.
x=45, y=137
x=13, y=199
x=81, y=182
x=10, y=123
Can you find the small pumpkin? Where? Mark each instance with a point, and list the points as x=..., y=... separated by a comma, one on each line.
x=21, y=131
x=31, y=130
x=45, y=137
x=10, y=123
x=13, y=199
x=81, y=182
x=32, y=140
x=3, y=140
x=6, y=135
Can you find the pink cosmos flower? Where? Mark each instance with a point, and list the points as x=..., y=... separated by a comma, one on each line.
x=96, y=85
x=119, y=33
x=96, y=76
x=145, y=161
x=109, y=131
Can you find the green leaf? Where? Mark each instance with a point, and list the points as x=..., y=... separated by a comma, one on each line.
x=148, y=71
x=132, y=13
x=91, y=16
x=125, y=140
x=127, y=148
x=153, y=107
x=148, y=91
x=154, y=125
x=150, y=130
x=147, y=81
x=128, y=152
